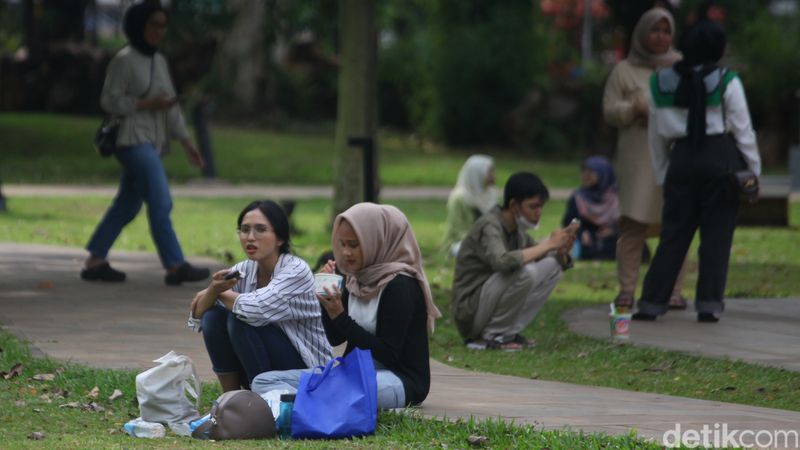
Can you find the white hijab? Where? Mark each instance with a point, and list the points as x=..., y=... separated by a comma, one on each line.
x=472, y=183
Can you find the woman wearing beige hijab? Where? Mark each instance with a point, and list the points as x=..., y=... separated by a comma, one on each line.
x=385, y=306
x=625, y=106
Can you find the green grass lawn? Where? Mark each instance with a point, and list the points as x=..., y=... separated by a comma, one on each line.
x=761, y=266
x=46, y=148
x=41, y=148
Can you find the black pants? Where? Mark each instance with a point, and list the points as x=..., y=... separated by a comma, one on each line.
x=698, y=193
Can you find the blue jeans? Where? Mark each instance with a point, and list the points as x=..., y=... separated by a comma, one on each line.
x=143, y=180
x=236, y=347
x=391, y=392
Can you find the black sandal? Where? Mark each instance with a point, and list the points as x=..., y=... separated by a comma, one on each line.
x=677, y=302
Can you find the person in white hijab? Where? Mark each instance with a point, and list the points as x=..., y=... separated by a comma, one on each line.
x=473, y=196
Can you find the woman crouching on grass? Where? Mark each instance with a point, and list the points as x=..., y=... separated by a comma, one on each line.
x=269, y=318
x=386, y=305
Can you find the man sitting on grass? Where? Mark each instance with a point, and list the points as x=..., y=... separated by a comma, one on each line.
x=502, y=276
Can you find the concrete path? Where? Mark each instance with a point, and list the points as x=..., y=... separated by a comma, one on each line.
x=221, y=189
x=128, y=325
x=762, y=331
x=216, y=189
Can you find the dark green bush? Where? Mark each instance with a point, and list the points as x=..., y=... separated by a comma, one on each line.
x=484, y=58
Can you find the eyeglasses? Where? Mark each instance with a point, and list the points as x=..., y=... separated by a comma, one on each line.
x=258, y=230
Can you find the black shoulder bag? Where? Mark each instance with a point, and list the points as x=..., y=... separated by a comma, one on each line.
x=105, y=139
x=744, y=180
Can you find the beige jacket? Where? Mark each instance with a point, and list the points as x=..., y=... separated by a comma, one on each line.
x=640, y=196
x=127, y=78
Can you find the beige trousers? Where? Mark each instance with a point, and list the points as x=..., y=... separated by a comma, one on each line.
x=632, y=237
x=509, y=302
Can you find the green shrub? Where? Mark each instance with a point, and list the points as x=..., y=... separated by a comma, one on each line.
x=483, y=60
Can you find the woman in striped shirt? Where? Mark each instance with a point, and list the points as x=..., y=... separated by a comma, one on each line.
x=268, y=318
x=386, y=304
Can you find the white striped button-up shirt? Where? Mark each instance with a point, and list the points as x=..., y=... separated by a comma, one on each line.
x=287, y=301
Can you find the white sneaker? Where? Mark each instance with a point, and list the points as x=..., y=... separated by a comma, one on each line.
x=478, y=344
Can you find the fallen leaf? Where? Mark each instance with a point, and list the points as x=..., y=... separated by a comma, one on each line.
x=94, y=393
x=37, y=410
x=45, y=285
x=15, y=371
x=36, y=435
x=726, y=388
x=661, y=368
x=45, y=398
x=59, y=394
x=117, y=394
x=582, y=355
x=93, y=407
x=44, y=377
x=70, y=405
x=477, y=441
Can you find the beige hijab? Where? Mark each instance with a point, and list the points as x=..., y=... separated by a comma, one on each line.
x=639, y=55
x=389, y=248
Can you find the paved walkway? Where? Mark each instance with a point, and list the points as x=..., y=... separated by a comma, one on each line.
x=216, y=189
x=42, y=299
x=203, y=189
x=762, y=331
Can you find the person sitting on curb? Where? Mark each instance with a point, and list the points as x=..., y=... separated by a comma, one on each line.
x=385, y=305
x=268, y=318
x=502, y=276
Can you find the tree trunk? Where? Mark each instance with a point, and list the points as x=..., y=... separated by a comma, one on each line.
x=241, y=59
x=357, y=101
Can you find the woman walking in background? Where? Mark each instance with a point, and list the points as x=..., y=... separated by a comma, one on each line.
x=625, y=106
x=700, y=111
x=138, y=91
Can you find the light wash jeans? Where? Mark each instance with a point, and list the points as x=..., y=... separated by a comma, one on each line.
x=143, y=180
x=391, y=393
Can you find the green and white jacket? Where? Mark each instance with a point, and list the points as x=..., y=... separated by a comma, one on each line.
x=726, y=112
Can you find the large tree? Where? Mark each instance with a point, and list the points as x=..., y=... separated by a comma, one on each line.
x=241, y=60
x=357, y=105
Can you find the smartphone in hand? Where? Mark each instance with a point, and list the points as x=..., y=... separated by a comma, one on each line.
x=574, y=225
x=233, y=275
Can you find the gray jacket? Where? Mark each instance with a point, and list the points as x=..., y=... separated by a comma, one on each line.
x=127, y=79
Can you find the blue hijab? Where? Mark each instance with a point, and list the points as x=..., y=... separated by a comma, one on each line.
x=605, y=179
x=599, y=203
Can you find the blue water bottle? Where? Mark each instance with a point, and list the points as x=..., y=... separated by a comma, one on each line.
x=285, y=416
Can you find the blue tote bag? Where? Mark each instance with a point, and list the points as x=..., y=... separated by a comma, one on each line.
x=341, y=401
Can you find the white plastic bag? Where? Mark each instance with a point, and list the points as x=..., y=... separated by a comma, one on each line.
x=273, y=399
x=162, y=391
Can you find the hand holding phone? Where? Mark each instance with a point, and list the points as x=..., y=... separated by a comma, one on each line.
x=233, y=274
x=574, y=225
